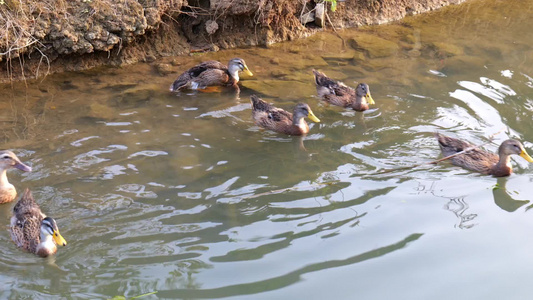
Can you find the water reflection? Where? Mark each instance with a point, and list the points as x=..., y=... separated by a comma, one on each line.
x=285, y=279
x=505, y=198
x=459, y=207
x=184, y=195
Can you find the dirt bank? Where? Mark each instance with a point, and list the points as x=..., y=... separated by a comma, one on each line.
x=42, y=37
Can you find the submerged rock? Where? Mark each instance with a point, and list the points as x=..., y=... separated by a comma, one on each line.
x=347, y=55
x=458, y=64
x=165, y=69
x=374, y=46
x=100, y=111
x=282, y=89
x=448, y=49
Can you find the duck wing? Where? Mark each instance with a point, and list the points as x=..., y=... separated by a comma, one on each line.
x=198, y=71
x=478, y=160
x=26, y=206
x=26, y=222
x=268, y=116
x=334, y=92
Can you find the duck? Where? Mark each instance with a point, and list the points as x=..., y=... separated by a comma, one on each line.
x=8, y=160
x=337, y=93
x=32, y=230
x=482, y=161
x=276, y=119
x=211, y=73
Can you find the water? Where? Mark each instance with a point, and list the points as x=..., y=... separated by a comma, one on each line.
x=184, y=196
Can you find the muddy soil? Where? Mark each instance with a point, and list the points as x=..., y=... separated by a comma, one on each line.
x=43, y=37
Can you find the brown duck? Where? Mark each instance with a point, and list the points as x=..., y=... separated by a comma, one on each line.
x=9, y=160
x=337, y=93
x=480, y=160
x=276, y=119
x=211, y=73
x=32, y=230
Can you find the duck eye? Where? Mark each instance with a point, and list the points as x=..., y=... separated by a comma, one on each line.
x=6, y=157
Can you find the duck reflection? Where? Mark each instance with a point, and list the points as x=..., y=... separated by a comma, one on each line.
x=459, y=207
x=503, y=198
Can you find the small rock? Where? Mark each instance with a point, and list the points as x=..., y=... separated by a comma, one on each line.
x=211, y=26
x=308, y=17
x=175, y=62
x=320, y=15
x=164, y=69
x=149, y=58
x=274, y=61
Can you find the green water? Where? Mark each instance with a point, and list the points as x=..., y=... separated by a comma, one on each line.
x=184, y=195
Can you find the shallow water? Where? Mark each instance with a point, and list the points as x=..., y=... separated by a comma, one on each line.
x=184, y=196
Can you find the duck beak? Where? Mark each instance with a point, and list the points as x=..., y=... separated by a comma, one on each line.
x=526, y=156
x=369, y=99
x=313, y=118
x=247, y=71
x=59, y=239
x=22, y=167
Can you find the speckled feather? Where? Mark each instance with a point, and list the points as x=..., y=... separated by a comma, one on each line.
x=337, y=93
x=477, y=160
x=208, y=73
x=26, y=223
x=276, y=119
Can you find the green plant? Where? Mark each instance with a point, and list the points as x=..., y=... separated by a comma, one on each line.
x=333, y=4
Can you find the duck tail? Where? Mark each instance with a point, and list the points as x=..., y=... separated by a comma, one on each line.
x=25, y=201
x=321, y=78
x=258, y=103
x=27, y=194
x=443, y=140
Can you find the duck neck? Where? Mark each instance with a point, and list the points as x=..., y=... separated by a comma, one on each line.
x=299, y=121
x=46, y=246
x=233, y=71
x=3, y=178
x=359, y=103
x=504, y=162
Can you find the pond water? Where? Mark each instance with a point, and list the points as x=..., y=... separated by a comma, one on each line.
x=181, y=194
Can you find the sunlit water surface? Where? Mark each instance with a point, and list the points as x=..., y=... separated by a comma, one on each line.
x=184, y=196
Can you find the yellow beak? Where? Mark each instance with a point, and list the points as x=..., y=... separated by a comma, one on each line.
x=526, y=156
x=247, y=71
x=59, y=239
x=313, y=118
x=369, y=99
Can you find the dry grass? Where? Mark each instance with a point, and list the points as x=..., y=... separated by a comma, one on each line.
x=19, y=28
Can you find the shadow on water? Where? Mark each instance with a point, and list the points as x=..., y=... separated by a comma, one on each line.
x=286, y=279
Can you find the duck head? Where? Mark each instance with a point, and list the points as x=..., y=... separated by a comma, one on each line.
x=363, y=91
x=9, y=160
